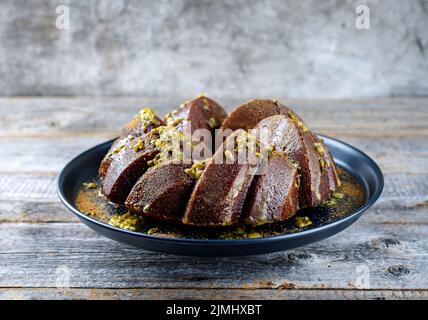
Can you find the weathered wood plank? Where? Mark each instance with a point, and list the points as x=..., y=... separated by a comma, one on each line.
x=88, y=116
x=41, y=135
x=205, y=294
x=28, y=187
x=34, y=155
x=36, y=255
x=34, y=212
x=407, y=155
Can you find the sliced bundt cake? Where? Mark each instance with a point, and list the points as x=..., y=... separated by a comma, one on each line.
x=200, y=113
x=162, y=192
x=219, y=194
x=288, y=137
x=142, y=123
x=273, y=196
x=285, y=166
x=127, y=165
x=140, y=149
x=249, y=114
x=174, y=176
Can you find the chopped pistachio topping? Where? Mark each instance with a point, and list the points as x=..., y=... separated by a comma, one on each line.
x=168, y=142
x=297, y=181
x=119, y=148
x=147, y=117
x=322, y=163
x=329, y=202
x=337, y=195
x=253, y=235
x=205, y=104
x=295, y=164
x=184, y=104
x=195, y=171
x=139, y=145
x=246, y=142
x=229, y=155
x=173, y=122
x=90, y=185
x=297, y=121
x=212, y=122
x=152, y=231
x=155, y=161
x=127, y=221
x=240, y=230
x=302, y=222
x=319, y=148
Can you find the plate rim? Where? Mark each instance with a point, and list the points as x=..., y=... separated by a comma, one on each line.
x=228, y=242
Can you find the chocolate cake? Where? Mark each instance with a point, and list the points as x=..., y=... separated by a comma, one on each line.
x=287, y=167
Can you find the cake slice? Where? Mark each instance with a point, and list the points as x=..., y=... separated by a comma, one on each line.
x=147, y=141
x=249, y=114
x=142, y=123
x=273, y=196
x=289, y=137
x=128, y=164
x=200, y=113
x=174, y=179
x=219, y=194
x=162, y=192
x=115, y=148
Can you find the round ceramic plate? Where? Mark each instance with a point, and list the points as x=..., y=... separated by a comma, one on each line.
x=84, y=167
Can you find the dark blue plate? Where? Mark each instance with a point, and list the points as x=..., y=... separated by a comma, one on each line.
x=85, y=167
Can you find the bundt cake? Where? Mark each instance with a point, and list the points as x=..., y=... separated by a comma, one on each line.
x=295, y=142
x=126, y=166
x=270, y=166
x=219, y=194
x=249, y=114
x=142, y=123
x=146, y=141
x=275, y=122
x=162, y=192
x=273, y=196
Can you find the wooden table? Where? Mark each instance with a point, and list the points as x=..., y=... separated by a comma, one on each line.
x=46, y=252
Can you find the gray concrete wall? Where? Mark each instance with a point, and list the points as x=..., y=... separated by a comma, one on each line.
x=245, y=48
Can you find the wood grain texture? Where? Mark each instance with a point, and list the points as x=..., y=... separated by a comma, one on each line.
x=32, y=255
x=205, y=294
x=40, y=240
x=369, y=118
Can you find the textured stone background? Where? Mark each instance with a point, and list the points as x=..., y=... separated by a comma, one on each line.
x=245, y=48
